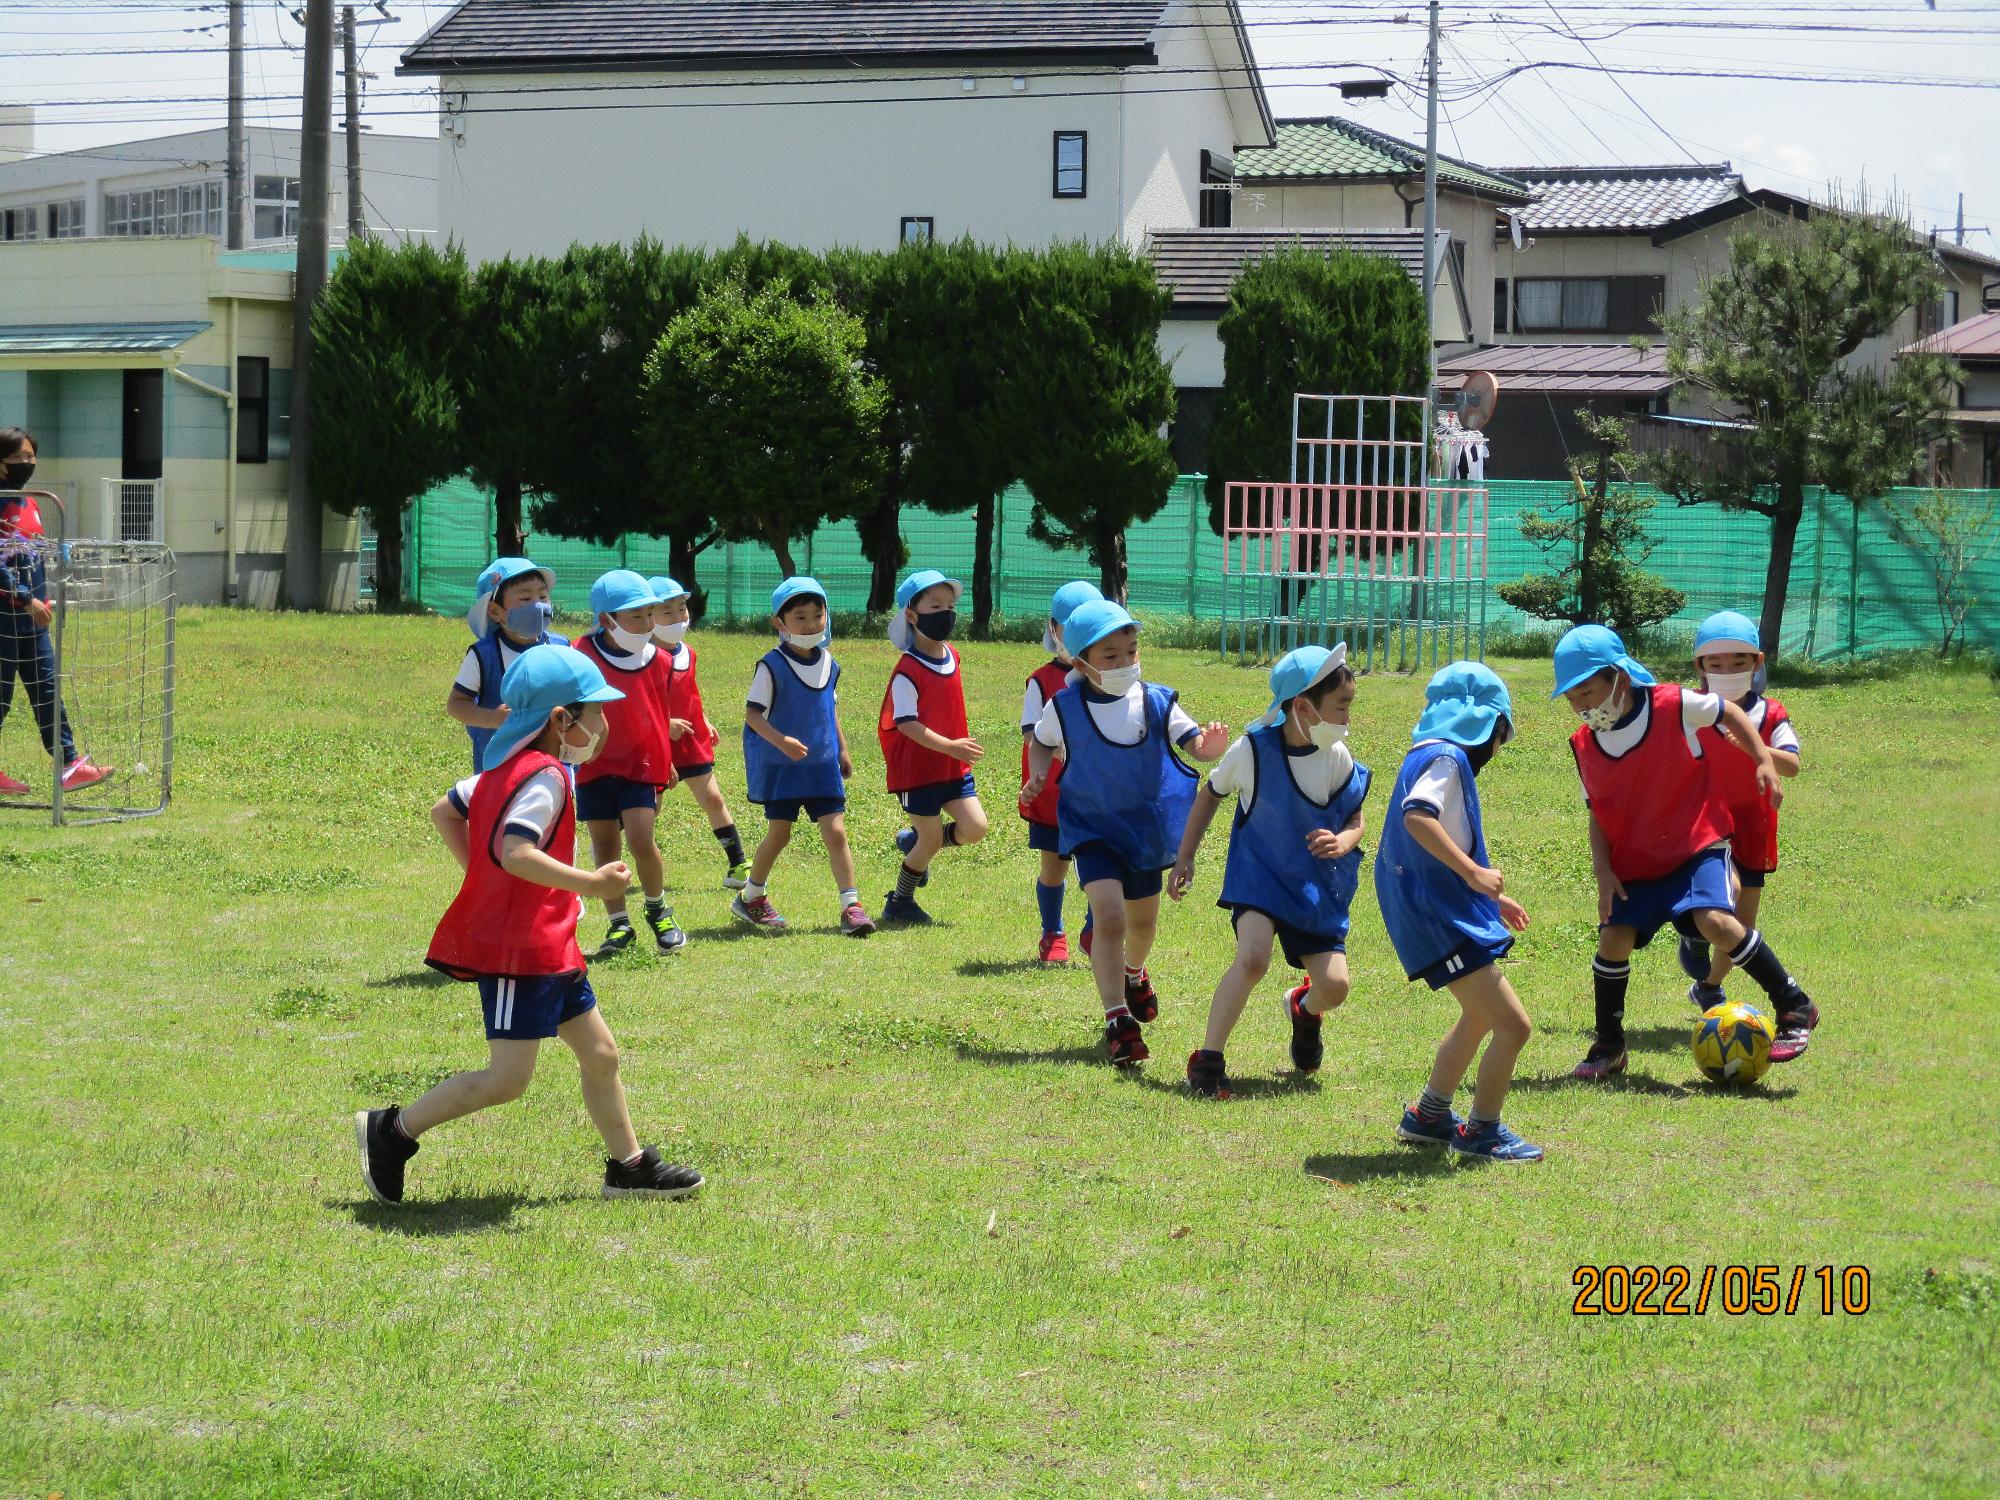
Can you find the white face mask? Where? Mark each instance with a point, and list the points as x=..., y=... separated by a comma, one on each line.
x=1324, y=733
x=1734, y=686
x=671, y=635
x=576, y=755
x=805, y=642
x=1605, y=716
x=629, y=641
x=1118, y=681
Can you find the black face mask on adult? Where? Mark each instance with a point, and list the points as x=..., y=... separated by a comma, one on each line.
x=18, y=473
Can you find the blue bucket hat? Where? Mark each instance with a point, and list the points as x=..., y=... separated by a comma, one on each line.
x=1067, y=600
x=1588, y=650
x=621, y=588
x=1297, y=672
x=794, y=588
x=908, y=589
x=1462, y=703
x=665, y=589
x=1091, y=622
x=1727, y=629
x=494, y=577
x=543, y=678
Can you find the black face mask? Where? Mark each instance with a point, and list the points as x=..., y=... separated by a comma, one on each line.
x=1479, y=755
x=938, y=624
x=18, y=473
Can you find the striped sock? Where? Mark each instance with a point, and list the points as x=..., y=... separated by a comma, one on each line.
x=1433, y=1108
x=1755, y=957
x=906, y=883
x=1609, y=981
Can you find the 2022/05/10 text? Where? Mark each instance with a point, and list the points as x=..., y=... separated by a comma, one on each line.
x=1694, y=1291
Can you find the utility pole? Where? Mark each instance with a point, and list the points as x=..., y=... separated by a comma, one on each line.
x=357, y=221
x=1431, y=205
x=1961, y=219
x=302, y=511
x=235, y=177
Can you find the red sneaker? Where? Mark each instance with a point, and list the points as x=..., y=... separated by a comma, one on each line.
x=1055, y=948
x=1795, y=1030
x=1599, y=1063
x=81, y=773
x=1124, y=1044
x=9, y=787
x=1083, y=941
x=1139, y=997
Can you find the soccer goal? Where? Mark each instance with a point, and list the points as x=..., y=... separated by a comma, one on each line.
x=112, y=642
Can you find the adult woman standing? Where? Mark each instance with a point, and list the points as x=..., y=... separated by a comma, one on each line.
x=25, y=614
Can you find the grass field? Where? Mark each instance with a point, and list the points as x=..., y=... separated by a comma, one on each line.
x=1263, y=1297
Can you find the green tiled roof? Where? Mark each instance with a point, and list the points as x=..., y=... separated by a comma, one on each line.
x=96, y=338
x=1332, y=148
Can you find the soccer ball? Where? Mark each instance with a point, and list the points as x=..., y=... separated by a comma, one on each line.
x=1732, y=1043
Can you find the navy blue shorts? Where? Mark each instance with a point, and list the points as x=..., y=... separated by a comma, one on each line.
x=606, y=799
x=529, y=1009
x=1045, y=837
x=929, y=801
x=1702, y=884
x=1469, y=957
x=688, y=773
x=1096, y=862
x=787, y=809
x=1748, y=878
x=1295, y=941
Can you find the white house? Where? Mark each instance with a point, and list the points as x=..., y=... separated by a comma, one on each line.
x=858, y=124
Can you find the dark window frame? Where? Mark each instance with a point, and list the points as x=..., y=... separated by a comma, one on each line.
x=1503, y=304
x=1622, y=294
x=930, y=229
x=1082, y=139
x=255, y=409
x=1217, y=208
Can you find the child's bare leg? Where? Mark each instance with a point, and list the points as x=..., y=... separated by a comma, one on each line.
x=833, y=833
x=603, y=1091
x=1488, y=1003
x=776, y=836
x=1055, y=869
x=646, y=861
x=930, y=838
x=708, y=797
x=1328, y=973
x=510, y=1064
x=968, y=822
x=1254, y=936
x=1721, y=929
x=1107, y=957
x=604, y=846
x=1142, y=925
x=1747, y=902
x=1460, y=1044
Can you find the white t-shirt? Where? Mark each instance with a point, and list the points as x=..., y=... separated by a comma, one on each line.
x=1032, y=704
x=533, y=811
x=814, y=674
x=903, y=692
x=1120, y=720
x=1698, y=712
x=1318, y=775
x=470, y=676
x=677, y=657
x=1784, y=737
x=1441, y=790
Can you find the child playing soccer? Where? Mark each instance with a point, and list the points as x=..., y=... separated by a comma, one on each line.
x=512, y=930
x=795, y=756
x=1447, y=916
x=694, y=737
x=1730, y=659
x=925, y=741
x=618, y=792
x=1659, y=832
x=1043, y=835
x=511, y=614
x=1124, y=803
x=1294, y=854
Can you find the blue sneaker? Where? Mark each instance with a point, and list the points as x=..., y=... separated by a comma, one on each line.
x=1704, y=996
x=1415, y=1130
x=1493, y=1142
x=906, y=841
x=903, y=911
x=1695, y=958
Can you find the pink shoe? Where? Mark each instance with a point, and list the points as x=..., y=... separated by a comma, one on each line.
x=81, y=773
x=1054, y=948
x=9, y=787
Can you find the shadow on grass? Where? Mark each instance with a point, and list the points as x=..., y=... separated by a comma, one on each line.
x=1656, y=1038
x=1256, y=1086
x=1080, y=1053
x=1618, y=1083
x=445, y=1216
x=981, y=968
x=1402, y=1162
x=416, y=979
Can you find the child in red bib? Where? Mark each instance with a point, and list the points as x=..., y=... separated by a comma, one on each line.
x=693, y=733
x=926, y=742
x=618, y=791
x=1730, y=659
x=512, y=930
x=1659, y=832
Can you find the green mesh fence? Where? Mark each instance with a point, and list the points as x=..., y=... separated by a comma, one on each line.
x=1854, y=588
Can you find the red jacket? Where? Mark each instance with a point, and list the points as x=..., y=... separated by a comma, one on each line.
x=500, y=925
x=1053, y=677
x=940, y=709
x=1656, y=803
x=696, y=748
x=638, y=747
x=1734, y=775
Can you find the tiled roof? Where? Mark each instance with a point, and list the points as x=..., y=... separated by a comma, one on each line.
x=1610, y=200
x=1600, y=369
x=1334, y=148
x=1199, y=266
x=1976, y=338
x=96, y=338
x=542, y=34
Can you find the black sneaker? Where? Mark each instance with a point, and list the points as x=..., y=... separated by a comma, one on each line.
x=903, y=911
x=649, y=1178
x=384, y=1150
x=1308, y=1051
x=666, y=931
x=1206, y=1076
x=616, y=941
x=1124, y=1043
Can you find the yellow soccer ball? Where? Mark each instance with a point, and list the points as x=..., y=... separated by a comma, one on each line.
x=1732, y=1043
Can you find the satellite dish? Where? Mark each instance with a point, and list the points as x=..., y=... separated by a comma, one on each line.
x=1514, y=232
x=1476, y=400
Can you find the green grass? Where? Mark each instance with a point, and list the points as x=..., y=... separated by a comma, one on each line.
x=1264, y=1297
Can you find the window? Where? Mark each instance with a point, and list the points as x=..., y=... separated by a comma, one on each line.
x=189, y=208
x=1070, y=163
x=1938, y=315
x=66, y=219
x=276, y=210
x=1500, y=304
x=1587, y=304
x=20, y=223
x=1217, y=173
x=253, y=410
x=918, y=231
